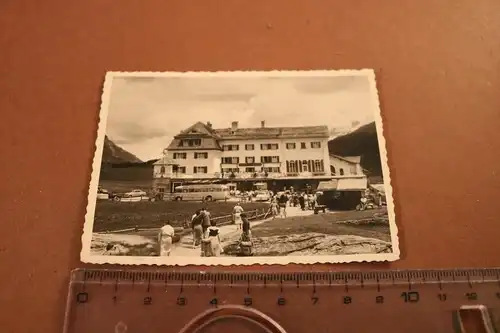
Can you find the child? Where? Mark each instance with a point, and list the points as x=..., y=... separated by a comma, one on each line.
x=237, y=211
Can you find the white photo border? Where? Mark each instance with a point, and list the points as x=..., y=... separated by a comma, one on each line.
x=87, y=257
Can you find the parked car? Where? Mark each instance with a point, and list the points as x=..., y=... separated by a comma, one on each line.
x=262, y=196
x=102, y=194
x=135, y=193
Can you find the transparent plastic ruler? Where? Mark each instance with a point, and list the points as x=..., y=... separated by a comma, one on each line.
x=123, y=301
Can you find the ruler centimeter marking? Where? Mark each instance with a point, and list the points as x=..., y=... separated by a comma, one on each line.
x=455, y=290
x=410, y=278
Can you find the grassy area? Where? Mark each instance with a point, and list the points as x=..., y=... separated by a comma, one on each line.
x=111, y=215
x=326, y=224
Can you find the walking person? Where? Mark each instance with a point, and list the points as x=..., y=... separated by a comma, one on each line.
x=196, y=223
x=237, y=211
x=165, y=239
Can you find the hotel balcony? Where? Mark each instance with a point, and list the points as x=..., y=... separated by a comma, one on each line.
x=179, y=175
x=271, y=164
x=229, y=165
x=252, y=175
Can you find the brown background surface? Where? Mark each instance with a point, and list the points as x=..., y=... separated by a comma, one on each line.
x=438, y=68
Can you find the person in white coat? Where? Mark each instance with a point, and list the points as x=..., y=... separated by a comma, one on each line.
x=165, y=239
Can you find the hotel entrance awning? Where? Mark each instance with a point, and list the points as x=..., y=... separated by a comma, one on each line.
x=352, y=184
x=344, y=184
x=330, y=185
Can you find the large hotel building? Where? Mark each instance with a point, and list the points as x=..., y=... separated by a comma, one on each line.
x=279, y=156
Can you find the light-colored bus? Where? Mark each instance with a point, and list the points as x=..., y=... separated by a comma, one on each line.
x=207, y=192
x=260, y=187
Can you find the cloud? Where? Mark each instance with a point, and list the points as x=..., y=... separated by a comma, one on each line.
x=237, y=97
x=132, y=133
x=145, y=113
x=325, y=85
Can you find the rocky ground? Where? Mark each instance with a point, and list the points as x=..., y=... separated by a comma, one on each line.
x=123, y=245
x=311, y=244
x=334, y=233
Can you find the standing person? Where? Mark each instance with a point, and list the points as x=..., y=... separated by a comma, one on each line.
x=274, y=208
x=311, y=201
x=302, y=202
x=165, y=239
x=213, y=237
x=246, y=234
x=283, y=199
x=197, y=228
x=206, y=221
x=195, y=215
x=237, y=210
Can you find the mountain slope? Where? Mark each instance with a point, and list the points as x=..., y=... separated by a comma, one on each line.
x=113, y=154
x=361, y=142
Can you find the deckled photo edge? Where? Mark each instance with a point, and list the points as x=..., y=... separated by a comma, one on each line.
x=96, y=167
x=86, y=255
x=240, y=261
x=384, y=160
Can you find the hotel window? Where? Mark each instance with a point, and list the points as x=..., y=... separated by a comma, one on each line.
x=230, y=147
x=270, y=159
x=305, y=166
x=274, y=170
x=162, y=169
x=303, y=145
x=180, y=156
x=292, y=167
x=269, y=146
x=181, y=169
x=291, y=145
x=315, y=144
x=318, y=166
x=250, y=160
x=250, y=169
x=249, y=147
x=200, y=155
x=230, y=170
x=341, y=171
x=230, y=160
x=353, y=170
x=190, y=143
x=200, y=169
x=333, y=170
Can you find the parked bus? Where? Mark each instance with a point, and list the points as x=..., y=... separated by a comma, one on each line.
x=207, y=192
x=260, y=186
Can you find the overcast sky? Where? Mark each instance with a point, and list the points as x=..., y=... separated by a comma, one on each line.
x=144, y=113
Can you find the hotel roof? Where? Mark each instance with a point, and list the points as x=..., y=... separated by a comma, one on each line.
x=210, y=137
x=272, y=132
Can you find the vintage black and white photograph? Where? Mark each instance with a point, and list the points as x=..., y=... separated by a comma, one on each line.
x=240, y=168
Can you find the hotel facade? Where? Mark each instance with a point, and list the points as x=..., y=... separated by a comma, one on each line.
x=279, y=156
